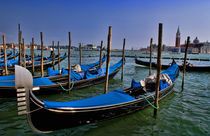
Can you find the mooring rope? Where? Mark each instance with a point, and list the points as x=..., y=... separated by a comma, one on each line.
x=149, y=102
x=72, y=85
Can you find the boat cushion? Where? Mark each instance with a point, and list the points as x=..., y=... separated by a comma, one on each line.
x=111, y=98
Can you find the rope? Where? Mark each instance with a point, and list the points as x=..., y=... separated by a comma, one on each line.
x=151, y=95
x=149, y=102
x=34, y=110
x=72, y=85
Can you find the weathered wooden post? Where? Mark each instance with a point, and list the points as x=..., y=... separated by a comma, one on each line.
x=80, y=53
x=24, y=55
x=59, y=67
x=5, y=55
x=100, y=57
x=185, y=58
x=13, y=45
x=69, y=61
x=20, y=48
x=0, y=51
x=123, y=59
x=53, y=55
x=42, y=47
x=32, y=56
x=108, y=59
x=150, y=60
x=157, y=87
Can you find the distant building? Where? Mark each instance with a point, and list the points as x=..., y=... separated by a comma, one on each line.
x=89, y=47
x=197, y=47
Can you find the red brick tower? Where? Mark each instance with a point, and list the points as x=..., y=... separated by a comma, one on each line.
x=177, y=44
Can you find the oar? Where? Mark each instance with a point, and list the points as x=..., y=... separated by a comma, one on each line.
x=185, y=58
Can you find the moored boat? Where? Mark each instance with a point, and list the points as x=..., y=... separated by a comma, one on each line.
x=47, y=116
x=59, y=83
x=189, y=67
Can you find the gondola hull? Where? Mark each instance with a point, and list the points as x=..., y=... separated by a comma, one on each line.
x=188, y=68
x=62, y=82
x=47, y=120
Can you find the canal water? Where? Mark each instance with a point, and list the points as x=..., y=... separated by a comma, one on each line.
x=181, y=113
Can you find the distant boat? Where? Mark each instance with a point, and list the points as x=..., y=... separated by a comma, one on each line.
x=189, y=67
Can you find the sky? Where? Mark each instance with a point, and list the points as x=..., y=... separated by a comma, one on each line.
x=88, y=21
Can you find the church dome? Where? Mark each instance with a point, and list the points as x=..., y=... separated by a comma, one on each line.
x=196, y=41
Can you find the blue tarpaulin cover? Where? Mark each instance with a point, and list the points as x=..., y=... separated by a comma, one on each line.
x=10, y=77
x=114, y=97
x=36, y=82
x=102, y=71
x=89, y=66
x=171, y=72
x=74, y=76
x=42, y=81
x=50, y=72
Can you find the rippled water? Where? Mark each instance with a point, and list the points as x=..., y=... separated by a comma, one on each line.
x=180, y=113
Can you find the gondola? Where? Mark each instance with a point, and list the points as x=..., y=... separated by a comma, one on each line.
x=59, y=83
x=2, y=56
x=37, y=65
x=189, y=67
x=47, y=116
x=83, y=67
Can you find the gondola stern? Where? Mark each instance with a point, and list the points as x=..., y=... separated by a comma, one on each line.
x=23, y=89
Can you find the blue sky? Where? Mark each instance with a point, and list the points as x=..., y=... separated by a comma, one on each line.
x=88, y=20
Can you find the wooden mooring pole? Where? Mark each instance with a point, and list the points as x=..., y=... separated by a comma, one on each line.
x=53, y=54
x=69, y=61
x=24, y=55
x=100, y=57
x=59, y=67
x=0, y=51
x=108, y=59
x=150, y=60
x=20, y=48
x=32, y=56
x=123, y=59
x=185, y=58
x=42, y=55
x=13, y=45
x=80, y=53
x=5, y=55
x=157, y=87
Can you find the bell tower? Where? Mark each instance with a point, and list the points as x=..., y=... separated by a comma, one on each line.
x=177, y=43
